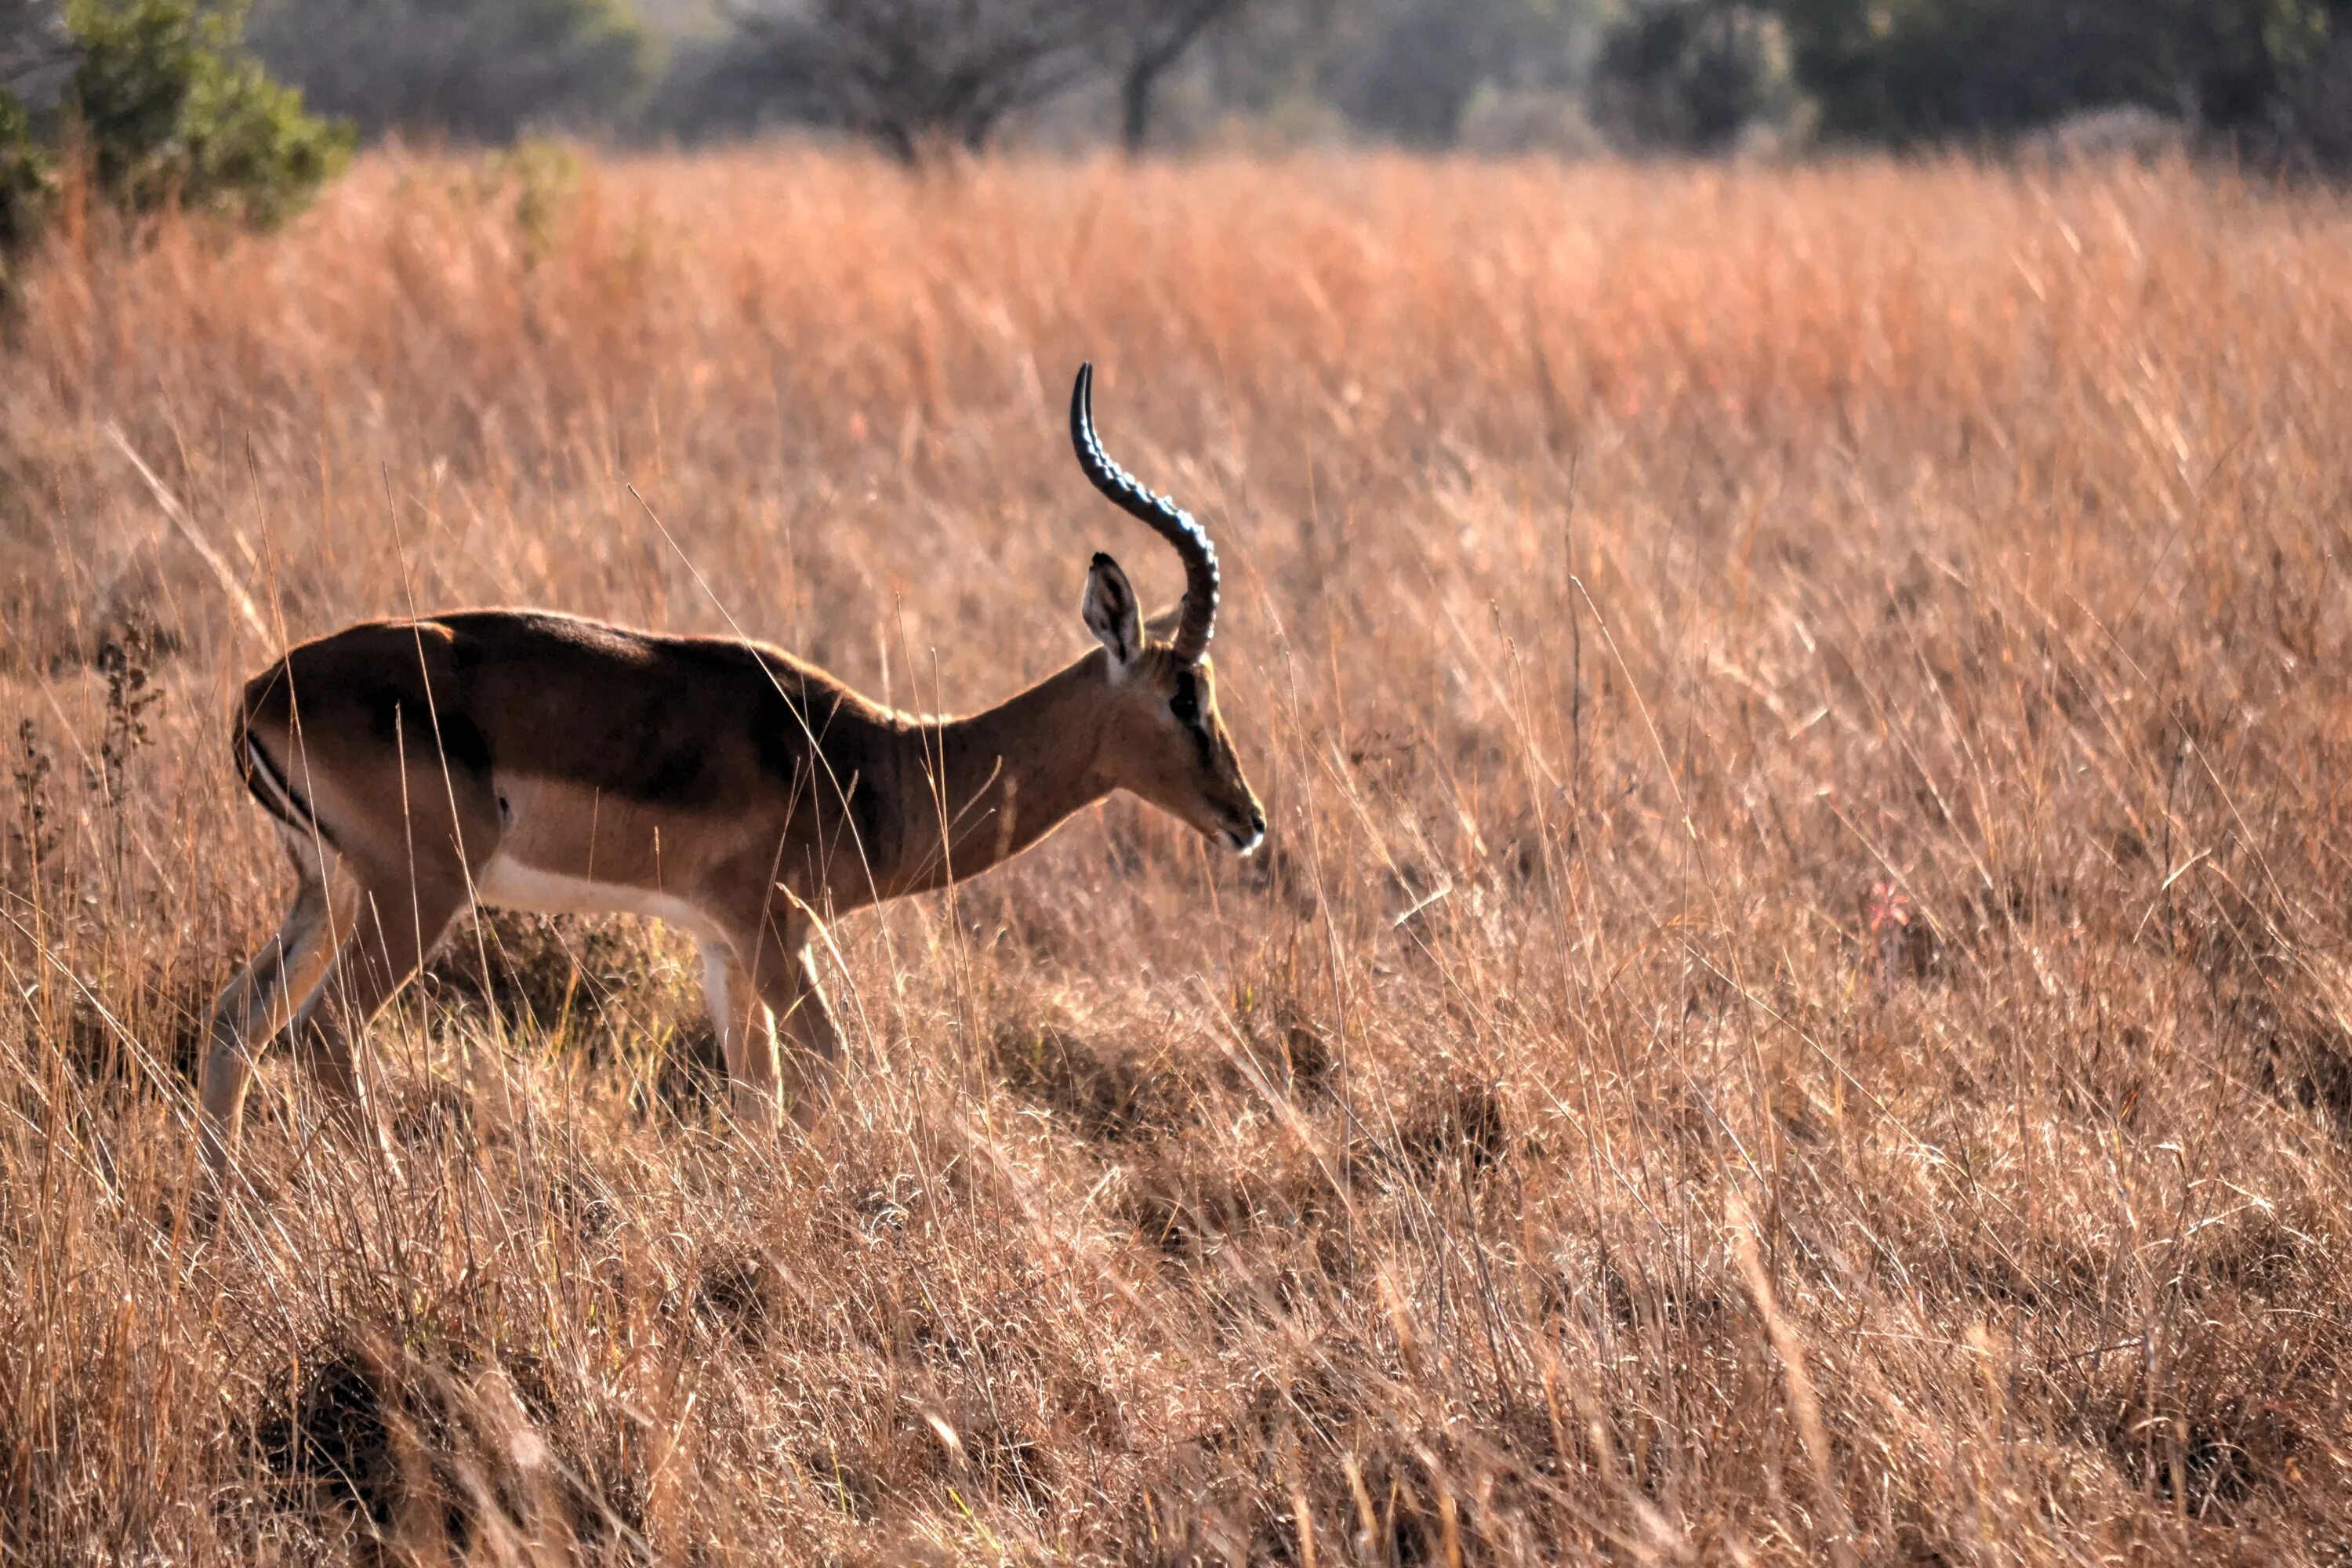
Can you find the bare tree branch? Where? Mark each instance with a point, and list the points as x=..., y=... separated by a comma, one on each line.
x=1162, y=34
x=915, y=75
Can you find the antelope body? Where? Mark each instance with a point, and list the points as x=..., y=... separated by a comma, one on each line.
x=536, y=761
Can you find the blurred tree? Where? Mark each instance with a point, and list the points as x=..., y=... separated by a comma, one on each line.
x=1695, y=74
x=1159, y=35
x=25, y=180
x=167, y=106
x=154, y=102
x=36, y=57
x=1910, y=69
x=2311, y=123
x=920, y=75
x=720, y=85
x=37, y=54
x=1413, y=66
x=483, y=70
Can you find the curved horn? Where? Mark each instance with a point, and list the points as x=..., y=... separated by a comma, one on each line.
x=1199, y=621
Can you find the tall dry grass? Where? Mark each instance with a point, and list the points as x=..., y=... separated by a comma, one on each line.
x=1796, y=1008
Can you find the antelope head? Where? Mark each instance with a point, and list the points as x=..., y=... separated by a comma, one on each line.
x=1163, y=738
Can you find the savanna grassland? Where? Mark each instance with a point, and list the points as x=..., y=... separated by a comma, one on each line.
x=1797, y=1005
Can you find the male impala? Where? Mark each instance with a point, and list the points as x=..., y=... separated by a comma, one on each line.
x=539, y=762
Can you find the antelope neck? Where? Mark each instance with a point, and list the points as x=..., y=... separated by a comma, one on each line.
x=1011, y=774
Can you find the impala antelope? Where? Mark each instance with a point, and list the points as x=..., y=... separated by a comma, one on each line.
x=535, y=760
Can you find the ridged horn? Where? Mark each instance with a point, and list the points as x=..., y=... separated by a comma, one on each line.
x=1198, y=620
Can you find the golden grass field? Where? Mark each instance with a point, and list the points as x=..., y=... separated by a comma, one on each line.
x=1798, y=1007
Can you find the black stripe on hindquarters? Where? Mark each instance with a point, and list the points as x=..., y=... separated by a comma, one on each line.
x=287, y=808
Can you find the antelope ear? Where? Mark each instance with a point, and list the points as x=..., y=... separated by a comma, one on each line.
x=1162, y=626
x=1111, y=613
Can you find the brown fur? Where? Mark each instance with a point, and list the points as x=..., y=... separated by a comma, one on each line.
x=417, y=766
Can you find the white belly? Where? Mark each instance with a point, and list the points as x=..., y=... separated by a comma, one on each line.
x=510, y=884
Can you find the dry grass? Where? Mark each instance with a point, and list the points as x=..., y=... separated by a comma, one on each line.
x=1536, y=1155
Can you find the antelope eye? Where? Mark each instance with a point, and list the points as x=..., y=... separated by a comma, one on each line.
x=1186, y=705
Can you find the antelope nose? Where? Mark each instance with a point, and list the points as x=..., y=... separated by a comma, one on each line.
x=1257, y=822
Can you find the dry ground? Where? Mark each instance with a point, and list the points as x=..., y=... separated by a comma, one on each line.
x=1797, y=1006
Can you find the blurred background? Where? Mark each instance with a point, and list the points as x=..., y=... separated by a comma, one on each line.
x=2268, y=81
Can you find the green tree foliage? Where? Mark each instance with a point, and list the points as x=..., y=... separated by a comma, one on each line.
x=23, y=179
x=163, y=105
x=1905, y=69
x=168, y=107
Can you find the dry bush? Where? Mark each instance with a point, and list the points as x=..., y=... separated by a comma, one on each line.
x=1799, y=1003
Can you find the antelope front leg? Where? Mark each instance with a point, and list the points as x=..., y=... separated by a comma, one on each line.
x=746, y=1043
x=783, y=971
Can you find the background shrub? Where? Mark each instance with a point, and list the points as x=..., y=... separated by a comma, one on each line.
x=160, y=105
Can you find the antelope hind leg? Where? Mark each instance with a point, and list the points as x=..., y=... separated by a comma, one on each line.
x=393, y=930
x=248, y=1013
x=747, y=1042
